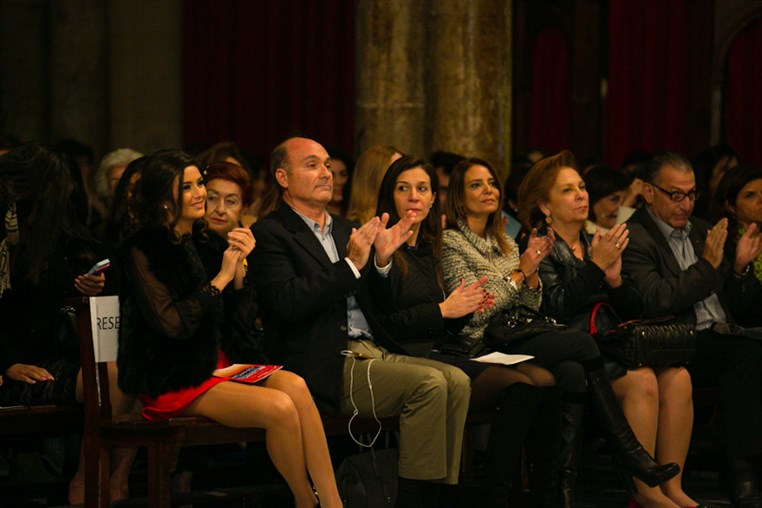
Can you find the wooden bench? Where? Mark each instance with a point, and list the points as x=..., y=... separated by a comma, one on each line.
x=52, y=419
x=48, y=419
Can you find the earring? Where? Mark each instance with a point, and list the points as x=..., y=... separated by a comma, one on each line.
x=548, y=220
x=164, y=206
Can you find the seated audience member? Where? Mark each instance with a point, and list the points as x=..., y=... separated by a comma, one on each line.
x=443, y=163
x=739, y=198
x=366, y=179
x=122, y=220
x=534, y=154
x=584, y=269
x=45, y=253
x=634, y=164
x=227, y=151
x=123, y=214
x=342, y=167
x=709, y=168
x=228, y=193
x=519, y=170
x=224, y=151
x=311, y=270
x=180, y=323
x=676, y=262
x=83, y=174
x=607, y=189
x=476, y=246
x=419, y=316
x=110, y=171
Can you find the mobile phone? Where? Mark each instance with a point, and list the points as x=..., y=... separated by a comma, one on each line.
x=99, y=267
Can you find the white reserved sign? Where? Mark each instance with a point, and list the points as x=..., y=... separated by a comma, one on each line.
x=104, y=320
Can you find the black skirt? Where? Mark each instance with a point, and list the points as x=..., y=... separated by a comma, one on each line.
x=471, y=368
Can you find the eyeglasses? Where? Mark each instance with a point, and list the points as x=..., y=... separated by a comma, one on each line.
x=678, y=196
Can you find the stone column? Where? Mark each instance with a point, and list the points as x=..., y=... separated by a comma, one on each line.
x=78, y=71
x=390, y=61
x=468, y=88
x=145, y=65
x=24, y=78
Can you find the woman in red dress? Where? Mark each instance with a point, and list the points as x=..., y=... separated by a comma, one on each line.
x=179, y=324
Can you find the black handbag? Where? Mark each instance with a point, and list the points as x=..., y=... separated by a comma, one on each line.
x=463, y=346
x=515, y=324
x=369, y=479
x=657, y=342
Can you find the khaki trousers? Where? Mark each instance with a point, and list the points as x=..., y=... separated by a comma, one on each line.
x=431, y=399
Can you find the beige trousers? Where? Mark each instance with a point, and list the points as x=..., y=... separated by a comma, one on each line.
x=431, y=399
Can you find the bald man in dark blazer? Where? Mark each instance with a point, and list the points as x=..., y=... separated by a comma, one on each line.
x=311, y=270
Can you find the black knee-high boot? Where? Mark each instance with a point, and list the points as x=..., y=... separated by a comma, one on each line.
x=618, y=432
x=543, y=446
x=516, y=411
x=572, y=432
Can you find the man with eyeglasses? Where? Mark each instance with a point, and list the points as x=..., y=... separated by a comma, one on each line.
x=678, y=266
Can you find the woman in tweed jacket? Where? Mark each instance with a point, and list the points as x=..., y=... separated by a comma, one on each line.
x=417, y=315
x=475, y=246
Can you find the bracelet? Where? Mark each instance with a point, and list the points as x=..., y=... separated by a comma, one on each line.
x=744, y=273
x=523, y=275
x=211, y=290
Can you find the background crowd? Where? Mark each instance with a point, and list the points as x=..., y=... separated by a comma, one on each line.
x=372, y=282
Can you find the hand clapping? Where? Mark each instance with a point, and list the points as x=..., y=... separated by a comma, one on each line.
x=467, y=299
x=748, y=248
x=242, y=240
x=360, y=241
x=537, y=248
x=389, y=240
x=606, y=249
x=715, y=243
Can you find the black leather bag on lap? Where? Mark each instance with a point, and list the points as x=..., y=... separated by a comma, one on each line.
x=515, y=324
x=656, y=342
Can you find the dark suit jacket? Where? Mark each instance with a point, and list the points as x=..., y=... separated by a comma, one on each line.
x=666, y=289
x=303, y=300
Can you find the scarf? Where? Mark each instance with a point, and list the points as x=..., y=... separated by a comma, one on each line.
x=11, y=238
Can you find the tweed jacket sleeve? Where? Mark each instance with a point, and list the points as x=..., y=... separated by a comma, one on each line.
x=467, y=257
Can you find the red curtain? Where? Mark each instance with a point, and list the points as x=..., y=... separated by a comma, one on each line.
x=256, y=72
x=550, y=92
x=743, y=94
x=648, y=55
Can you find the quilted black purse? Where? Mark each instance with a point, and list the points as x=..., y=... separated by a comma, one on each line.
x=656, y=342
x=515, y=324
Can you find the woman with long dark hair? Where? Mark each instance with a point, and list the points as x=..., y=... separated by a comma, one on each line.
x=45, y=253
x=181, y=325
x=739, y=198
x=420, y=317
